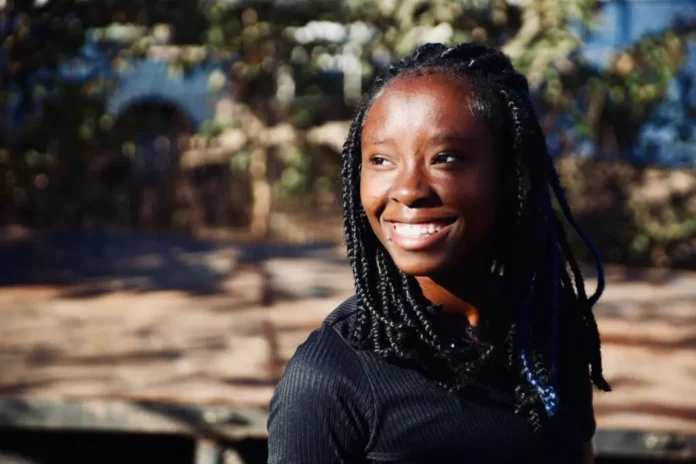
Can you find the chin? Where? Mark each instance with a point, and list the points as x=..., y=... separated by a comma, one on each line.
x=419, y=266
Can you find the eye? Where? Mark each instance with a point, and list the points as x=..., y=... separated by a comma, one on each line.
x=447, y=158
x=378, y=160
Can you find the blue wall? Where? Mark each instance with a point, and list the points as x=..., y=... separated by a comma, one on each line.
x=669, y=137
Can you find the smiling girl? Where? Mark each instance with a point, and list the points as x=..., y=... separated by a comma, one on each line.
x=470, y=338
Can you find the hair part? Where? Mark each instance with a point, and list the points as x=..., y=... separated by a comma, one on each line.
x=541, y=276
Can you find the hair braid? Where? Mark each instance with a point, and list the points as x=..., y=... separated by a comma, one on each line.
x=395, y=320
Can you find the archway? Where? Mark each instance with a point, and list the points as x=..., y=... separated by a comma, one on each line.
x=142, y=173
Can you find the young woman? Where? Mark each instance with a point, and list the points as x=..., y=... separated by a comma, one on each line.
x=470, y=337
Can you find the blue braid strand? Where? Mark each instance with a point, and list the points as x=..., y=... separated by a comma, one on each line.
x=554, y=308
x=560, y=196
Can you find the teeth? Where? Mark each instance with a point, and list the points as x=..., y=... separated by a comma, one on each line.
x=417, y=230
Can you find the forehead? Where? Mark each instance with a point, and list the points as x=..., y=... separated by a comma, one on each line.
x=421, y=105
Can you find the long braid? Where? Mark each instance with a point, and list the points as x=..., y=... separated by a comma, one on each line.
x=591, y=329
x=395, y=320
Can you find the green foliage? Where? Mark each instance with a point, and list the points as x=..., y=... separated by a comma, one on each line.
x=47, y=176
x=636, y=215
x=210, y=129
x=612, y=105
x=240, y=161
x=281, y=57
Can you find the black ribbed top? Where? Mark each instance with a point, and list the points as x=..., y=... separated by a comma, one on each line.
x=336, y=404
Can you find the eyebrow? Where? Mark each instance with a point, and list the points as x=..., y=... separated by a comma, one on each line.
x=376, y=141
x=439, y=139
x=442, y=139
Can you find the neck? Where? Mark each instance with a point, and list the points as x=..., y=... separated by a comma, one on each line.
x=462, y=294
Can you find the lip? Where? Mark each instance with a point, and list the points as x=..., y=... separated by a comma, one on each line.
x=419, y=243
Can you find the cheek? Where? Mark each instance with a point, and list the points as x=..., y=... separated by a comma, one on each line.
x=487, y=201
x=476, y=195
x=472, y=190
x=373, y=195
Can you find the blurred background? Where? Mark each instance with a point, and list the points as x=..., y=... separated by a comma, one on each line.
x=170, y=224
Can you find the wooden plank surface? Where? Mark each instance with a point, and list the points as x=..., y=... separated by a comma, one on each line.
x=180, y=323
x=209, y=423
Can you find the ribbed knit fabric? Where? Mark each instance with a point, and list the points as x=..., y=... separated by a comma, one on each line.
x=336, y=404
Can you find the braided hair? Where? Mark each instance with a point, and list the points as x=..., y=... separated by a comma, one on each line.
x=539, y=275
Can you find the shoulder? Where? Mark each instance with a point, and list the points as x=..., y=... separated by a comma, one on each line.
x=324, y=398
x=340, y=318
x=325, y=366
x=327, y=349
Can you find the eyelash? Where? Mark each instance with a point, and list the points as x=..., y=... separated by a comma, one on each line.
x=447, y=155
x=378, y=160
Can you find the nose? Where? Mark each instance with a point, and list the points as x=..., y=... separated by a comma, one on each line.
x=412, y=188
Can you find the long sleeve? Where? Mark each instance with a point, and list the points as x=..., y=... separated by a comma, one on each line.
x=321, y=407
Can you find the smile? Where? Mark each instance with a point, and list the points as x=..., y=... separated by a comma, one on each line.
x=416, y=237
x=417, y=230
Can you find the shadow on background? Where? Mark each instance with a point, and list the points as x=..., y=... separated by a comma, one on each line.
x=90, y=264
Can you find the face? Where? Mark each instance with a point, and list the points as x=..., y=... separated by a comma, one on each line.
x=430, y=176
